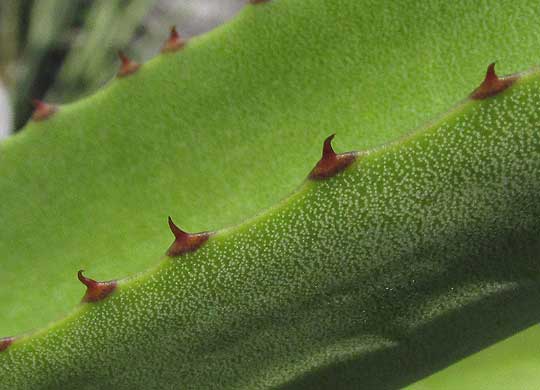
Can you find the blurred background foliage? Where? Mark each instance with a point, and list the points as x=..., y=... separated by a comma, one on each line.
x=60, y=50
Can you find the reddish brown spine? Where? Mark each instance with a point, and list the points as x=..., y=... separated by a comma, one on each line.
x=96, y=291
x=185, y=242
x=492, y=84
x=5, y=343
x=331, y=163
x=174, y=43
x=128, y=66
x=42, y=110
x=258, y=1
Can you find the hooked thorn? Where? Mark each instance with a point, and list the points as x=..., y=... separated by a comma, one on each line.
x=96, y=291
x=185, y=242
x=331, y=163
x=492, y=84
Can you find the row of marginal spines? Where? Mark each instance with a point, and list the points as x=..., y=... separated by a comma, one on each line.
x=328, y=166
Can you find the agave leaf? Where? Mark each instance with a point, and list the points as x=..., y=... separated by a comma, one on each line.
x=415, y=243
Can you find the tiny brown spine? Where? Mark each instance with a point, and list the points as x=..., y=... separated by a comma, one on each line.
x=127, y=66
x=331, y=163
x=185, y=242
x=492, y=84
x=174, y=42
x=5, y=342
x=96, y=291
x=42, y=110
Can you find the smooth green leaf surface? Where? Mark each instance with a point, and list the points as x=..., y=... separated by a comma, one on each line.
x=510, y=364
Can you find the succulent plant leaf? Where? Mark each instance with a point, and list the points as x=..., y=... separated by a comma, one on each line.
x=421, y=251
